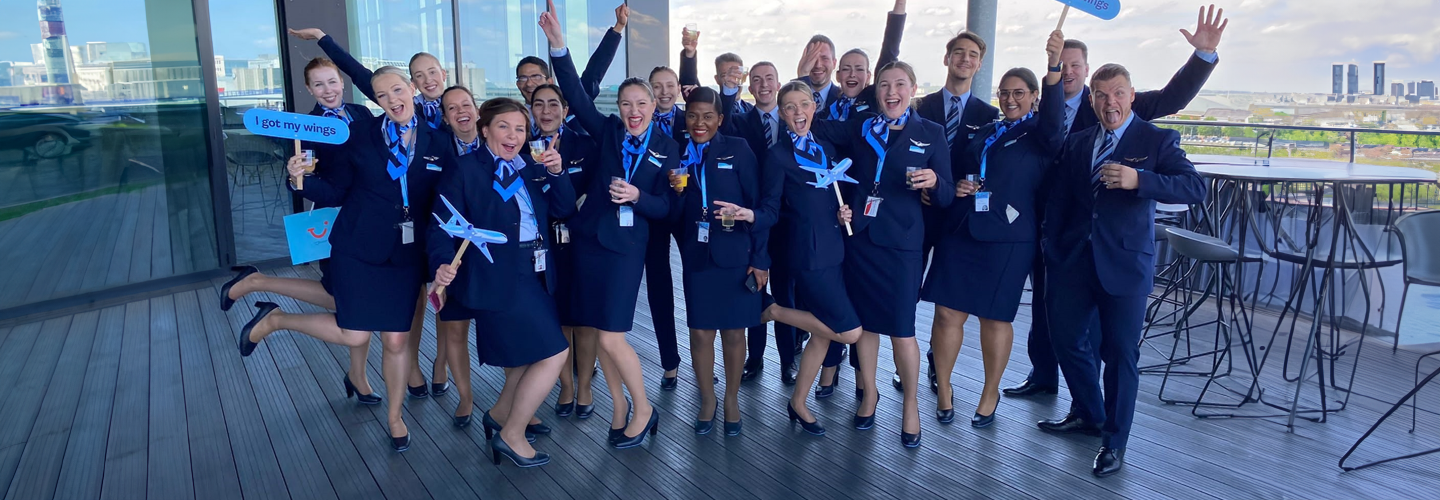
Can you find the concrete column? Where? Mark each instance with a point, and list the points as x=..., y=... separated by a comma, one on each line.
x=980, y=18
x=647, y=37
x=328, y=15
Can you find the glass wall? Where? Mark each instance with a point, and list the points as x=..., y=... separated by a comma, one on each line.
x=496, y=34
x=104, y=167
x=387, y=33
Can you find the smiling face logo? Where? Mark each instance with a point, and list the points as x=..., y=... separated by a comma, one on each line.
x=322, y=233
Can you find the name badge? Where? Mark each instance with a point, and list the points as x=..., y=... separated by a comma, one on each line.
x=725, y=166
x=862, y=107
x=872, y=206
x=562, y=233
x=917, y=149
x=703, y=234
x=540, y=260
x=574, y=170
x=407, y=232
x=432, y=166
x=627, y=216
x=982, y=201
x=656, y=161
x=1012, y=141
x=972, y=135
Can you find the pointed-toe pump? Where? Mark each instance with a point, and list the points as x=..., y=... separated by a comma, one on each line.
x=437, y=390
x=242, y=272
x=364, y=399
x=498, y=448
x=652, y=427
x=910, y=440
x=865, y=423
x=982, y=421
x=462, y=421
x=263, y=309
x=732, y=429
x=401, y=443
x=563, y=410
x=812, y=427
x=492, y=428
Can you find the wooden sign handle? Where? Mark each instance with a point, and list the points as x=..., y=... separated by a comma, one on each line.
x=299, y=181
x=439, y=291
x=848, y=231
x=1063, y=13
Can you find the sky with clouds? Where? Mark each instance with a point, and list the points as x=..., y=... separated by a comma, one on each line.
x=1270, y=45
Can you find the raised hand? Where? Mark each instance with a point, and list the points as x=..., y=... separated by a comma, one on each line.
x=551, y=158
x=808, y=59
x=1054, y=46
x=1209, y=28
x=689, y=40
x=551, y=26
x=311, y=34
x=622, y=17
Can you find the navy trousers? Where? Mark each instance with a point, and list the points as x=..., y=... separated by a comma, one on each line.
x=660, y=290
x=1044, y=367
x=1116, y=343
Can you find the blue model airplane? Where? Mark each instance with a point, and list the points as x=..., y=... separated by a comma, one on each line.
x=458, y=227
x=825, y=177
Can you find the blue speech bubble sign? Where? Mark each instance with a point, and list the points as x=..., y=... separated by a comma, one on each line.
x=296, y=126
x=1103, y=9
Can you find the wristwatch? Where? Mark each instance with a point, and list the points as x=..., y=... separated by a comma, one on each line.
x=1057, y=68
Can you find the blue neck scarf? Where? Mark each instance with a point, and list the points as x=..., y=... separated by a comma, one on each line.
x=665, y=120
x=433, y=116
x=507, y=175
x=877, y=133
x=634, y=148
x=399, y=155
x=337, y=112
x=841, y=108
x=695, y=155
x=465, y=148
x=1000, y=130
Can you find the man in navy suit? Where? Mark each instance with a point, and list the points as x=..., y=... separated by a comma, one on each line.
x=818, y=64
x=1044, y=377
x=1098, y=244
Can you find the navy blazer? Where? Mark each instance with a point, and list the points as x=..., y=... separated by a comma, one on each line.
x=732, y=175
x=577, y=151
x=921, y=143
x=599, y=217
x=812, y=228
x=326, y=154
x=745, y=123
x=480, y=284
x=1155, y=104
x=1119, y=225
x=976, y=114
x=865, y=101
x=360, y=75
x=1014, y=174
x=372, y=209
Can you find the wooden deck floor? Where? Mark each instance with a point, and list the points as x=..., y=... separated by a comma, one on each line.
x=150, y=399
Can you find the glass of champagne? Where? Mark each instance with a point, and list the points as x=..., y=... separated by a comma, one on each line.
x=614, y=179
x=692, y=31
x=537, y=149
x=309, y=156
x=974, y=181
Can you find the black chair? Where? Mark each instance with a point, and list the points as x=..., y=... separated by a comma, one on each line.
x=1419, y=235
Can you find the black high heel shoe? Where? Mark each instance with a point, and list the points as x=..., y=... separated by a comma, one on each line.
x=419, y=391
x=864, y=423
x=401, y=443
x=946, y=416
x=462, y=421
x=539, y=429
x=910, y=440
x=651, y=428
x=492, y=428
x=364, y=399
x=812, y=427
x=823, y=391
x=982, y=421
x=498, y=447
x=583, y=412
x=732, y=428
x=437, y=390
x=563, y=410
x=703, y=427
x=669, y=383
x=618, y=434
x=244, y=271
x=246, y=346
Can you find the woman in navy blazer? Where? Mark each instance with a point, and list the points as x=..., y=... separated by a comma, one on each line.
x=381, y=182
x=803, y=168
x=323, y=81
x=897, y=155
x=504, y=285
x=723, y=180
x=549, y=108
x=990, y=240
x=610, y=230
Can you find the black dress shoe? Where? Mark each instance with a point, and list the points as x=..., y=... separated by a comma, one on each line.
x=401, y=443
x=264, y=308
x=669, y=383
x=1071, y=424
x=563, y=410
x=539, y=429
x=492, y=428
x=865, y=423
x=583, y=412
x=752, y=370
x=1028, y=388
x=813, y=427
x=419, y=391
x=242, y=272
x=787, y=374
x=462, y=421
x=1109, y=461
x=652, y=427
x=910, y=440
x=824, y=391
x=437, y=390
x=732, y=428
x=616, y=435
x=948, y=415
x=364, y=399
x=896, y=383
x=498, y=447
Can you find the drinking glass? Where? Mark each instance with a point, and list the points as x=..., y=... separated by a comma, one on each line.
x=909, y=177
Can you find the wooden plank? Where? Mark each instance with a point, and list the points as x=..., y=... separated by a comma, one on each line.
x=127, y=455
x=144, y=236
x=97, y=270
x=169, y=450
x=23, y=264
x=23, y=406
x=120, y=258
x=212, y=461
x=57, y=250
x=83, y=468
x=40, y=464
x=84, y=254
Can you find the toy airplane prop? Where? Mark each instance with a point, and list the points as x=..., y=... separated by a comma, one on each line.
x=458, y=227
x=824, y=178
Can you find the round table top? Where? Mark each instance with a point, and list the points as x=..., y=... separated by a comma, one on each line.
x=1306, y=170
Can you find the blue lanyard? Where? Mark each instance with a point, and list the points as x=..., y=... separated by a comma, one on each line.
x=695, y=155
x=877, y=133
x=638, y=152
x=1000, y=130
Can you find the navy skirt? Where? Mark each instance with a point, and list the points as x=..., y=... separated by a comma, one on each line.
x=606, y=286
x=324, y=265
x=526, y=332
x=884, y=285
x=980, y=278
x=565, y=275
x=822, y=293
x=374, y=297
x=716, y=298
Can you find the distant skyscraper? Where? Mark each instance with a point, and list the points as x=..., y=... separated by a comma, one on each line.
x=1411, y=89
x=1427, y=89
x=1352, y=79
x=1337, y=79
x=52, y=36
x=1379, y=78
x=1397, y=89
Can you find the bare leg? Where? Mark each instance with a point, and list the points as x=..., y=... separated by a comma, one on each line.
x=946, y=337
x=828, y=374
x=810, y=362
x=702, y=359
x=417, y=329
x=869, y=349
x=627, y=366
x=804, y=320
x=438, y=374
x=395, y=363
x=454, y=336
x=586, y=350
x=318, y=325
x=996, y=339
x=501, y=410
x=528, y=394
x=907, y=361
x=310, y=291
x=567, y=372
x=732, y=346
x=620, y=407
x=359, y=355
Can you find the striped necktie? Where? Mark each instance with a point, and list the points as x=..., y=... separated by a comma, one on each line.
x=1106, y=149
x=769, y=128
x=952, y=120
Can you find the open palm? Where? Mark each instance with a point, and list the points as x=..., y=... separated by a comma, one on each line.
x=1208, y=30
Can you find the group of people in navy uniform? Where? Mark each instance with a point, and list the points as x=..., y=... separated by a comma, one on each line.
x=831, y=206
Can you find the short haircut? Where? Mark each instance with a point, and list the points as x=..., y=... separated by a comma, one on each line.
x=900, y=65
x=550, y=86
x=390, y=70
x=972, y=36
x=457, y=88
x=703, y=95
x=317, y=63
x=1109, y=72
x=762, y=64
x=1025, y=75
x=859, y=52
x=823, y=39
x=795, y=86
x=728, y=57
x=662, y=69
x=419, y=55
x=544, y=68
x=1076, y=44
x=499, y=106
x=634, y=81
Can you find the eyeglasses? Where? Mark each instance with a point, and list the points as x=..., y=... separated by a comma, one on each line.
x=805, y=105
x=1011, y=94
x=530, y=78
